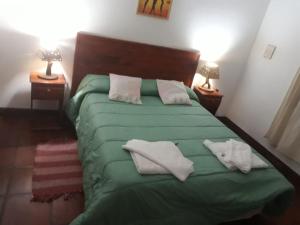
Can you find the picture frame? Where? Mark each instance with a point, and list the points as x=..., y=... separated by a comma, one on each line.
x=155, y=8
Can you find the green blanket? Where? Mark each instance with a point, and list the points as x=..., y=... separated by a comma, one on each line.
x=116, y=194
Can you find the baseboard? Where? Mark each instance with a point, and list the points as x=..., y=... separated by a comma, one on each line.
x=25, y=111
x=278, y=161
x=47, y=116
x=295, y=166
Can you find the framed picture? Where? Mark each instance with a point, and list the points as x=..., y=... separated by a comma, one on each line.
x=155, y=8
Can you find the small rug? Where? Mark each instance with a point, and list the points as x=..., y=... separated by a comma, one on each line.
x=57, y=171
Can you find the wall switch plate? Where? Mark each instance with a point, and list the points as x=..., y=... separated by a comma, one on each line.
x=269, y=52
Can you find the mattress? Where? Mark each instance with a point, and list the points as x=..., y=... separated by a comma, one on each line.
x=115, y=193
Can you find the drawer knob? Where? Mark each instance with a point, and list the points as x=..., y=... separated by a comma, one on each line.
x=48, y=89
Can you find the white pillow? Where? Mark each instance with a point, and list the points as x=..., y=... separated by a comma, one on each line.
x=125, y=89
x=173, y=92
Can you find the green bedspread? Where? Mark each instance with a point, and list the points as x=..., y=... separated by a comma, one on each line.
x=116, y=194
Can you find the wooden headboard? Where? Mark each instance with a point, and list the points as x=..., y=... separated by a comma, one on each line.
x=101, y=55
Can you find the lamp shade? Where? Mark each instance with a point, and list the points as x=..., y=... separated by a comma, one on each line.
x=50, y=55
x=209, y=70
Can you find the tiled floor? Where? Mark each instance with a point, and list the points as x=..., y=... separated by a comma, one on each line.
x=18, y=138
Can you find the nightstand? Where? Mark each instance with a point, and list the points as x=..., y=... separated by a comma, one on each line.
x=42, y=89
x=210, y=100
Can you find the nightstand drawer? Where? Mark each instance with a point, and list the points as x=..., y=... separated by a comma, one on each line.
x=44, y=89
x=47, y=92
x=211, y=105
x=209, y=100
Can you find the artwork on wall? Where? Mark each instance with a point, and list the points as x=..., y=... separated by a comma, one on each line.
x=156, y=8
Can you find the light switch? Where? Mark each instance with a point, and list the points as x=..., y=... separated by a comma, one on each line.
x=269, y=52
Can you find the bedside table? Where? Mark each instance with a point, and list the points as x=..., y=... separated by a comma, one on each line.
x=210, y=100
x=42, y=89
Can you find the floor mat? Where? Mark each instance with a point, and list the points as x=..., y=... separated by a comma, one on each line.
x=57, y=171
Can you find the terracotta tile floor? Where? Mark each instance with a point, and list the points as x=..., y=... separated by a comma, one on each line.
x=18, y=138
x=19, y=210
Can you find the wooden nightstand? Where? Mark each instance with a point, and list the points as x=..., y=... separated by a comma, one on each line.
x=210, y=100
x=42, y=89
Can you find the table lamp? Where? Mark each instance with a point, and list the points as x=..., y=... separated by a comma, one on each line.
x=209, y=70
x=50, y=56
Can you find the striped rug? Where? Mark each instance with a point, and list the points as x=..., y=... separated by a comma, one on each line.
x=57, y=171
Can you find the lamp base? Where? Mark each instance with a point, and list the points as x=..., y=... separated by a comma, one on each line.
x=48, y=77
x=206, y=89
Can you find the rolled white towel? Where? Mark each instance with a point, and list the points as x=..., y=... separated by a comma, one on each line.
x=220, y=150
x=235, y=155
x=240, y=155
x=159, y=157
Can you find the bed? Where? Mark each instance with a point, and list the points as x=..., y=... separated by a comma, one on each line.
x=115, y=193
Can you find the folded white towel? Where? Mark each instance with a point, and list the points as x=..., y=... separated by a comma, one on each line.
x=235, y=155
x=162, y=157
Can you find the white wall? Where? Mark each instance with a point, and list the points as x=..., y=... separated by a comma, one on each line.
x=265, y=82
x=221, y=30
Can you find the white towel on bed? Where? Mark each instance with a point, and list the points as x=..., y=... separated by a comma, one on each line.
x=235, y=155
x=161, y=157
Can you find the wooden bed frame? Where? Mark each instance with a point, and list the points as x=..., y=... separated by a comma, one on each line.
x=101, y=55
